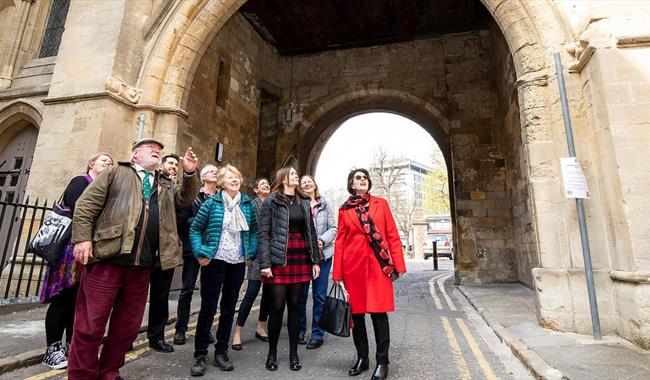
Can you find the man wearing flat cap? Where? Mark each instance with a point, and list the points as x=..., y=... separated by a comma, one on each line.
x=124, y=224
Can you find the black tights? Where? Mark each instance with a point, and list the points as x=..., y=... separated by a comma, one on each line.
x=60, y=315
x=277, y=295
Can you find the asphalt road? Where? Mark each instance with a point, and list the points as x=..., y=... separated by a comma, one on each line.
x=435, y=334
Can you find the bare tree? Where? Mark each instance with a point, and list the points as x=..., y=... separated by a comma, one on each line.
x=336, y=197
x=388, y=174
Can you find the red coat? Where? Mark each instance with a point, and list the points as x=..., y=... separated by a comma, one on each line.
x=370, y=290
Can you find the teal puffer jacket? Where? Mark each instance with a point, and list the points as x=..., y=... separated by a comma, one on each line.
x=205, y=231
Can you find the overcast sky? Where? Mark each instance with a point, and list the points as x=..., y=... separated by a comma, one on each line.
x=354, y=144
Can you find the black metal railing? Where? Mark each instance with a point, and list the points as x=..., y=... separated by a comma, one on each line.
x=22, y=272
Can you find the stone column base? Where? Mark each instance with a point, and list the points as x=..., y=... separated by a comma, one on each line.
x=623, y=302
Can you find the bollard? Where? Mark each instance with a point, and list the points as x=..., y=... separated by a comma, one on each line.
x=435, y=255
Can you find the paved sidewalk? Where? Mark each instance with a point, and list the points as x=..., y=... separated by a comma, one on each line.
x=23, y=333
x=509, y=309
x=435, y=334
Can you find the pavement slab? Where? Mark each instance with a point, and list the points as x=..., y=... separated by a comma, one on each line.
x=509, y=310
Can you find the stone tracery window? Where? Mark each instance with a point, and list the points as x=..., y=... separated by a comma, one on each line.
x=54, y=28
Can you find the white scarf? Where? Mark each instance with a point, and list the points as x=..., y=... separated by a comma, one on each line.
x=237, y=220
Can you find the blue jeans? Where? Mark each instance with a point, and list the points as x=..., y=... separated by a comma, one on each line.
x=319, y=293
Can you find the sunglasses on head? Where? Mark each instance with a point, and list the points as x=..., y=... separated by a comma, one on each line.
x=359, y=177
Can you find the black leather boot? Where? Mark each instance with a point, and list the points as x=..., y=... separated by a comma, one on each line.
x=381, y=372
x=358, y=367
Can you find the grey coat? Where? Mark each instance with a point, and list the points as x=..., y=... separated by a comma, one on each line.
x=325, y=227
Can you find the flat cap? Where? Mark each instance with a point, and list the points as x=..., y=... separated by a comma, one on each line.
x=137, y=143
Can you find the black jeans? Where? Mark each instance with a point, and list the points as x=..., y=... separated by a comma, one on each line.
x=190, y=273
x=60, y=315
x=160, y=283
x=217, y=277
x=382, y=335
x=246, y=304
x=280, y=295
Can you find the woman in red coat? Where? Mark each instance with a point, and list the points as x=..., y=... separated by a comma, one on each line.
x=368, y=257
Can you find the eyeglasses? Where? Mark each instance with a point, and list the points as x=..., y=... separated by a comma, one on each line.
x=359, y=177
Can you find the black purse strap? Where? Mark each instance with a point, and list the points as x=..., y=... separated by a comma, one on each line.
x=336, y=291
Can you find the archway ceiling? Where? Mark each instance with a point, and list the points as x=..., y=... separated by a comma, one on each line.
x=308, y=26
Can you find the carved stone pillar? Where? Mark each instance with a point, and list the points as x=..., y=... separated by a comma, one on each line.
x=9, y=62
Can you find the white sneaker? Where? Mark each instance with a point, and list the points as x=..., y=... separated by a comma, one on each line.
x=55, y=356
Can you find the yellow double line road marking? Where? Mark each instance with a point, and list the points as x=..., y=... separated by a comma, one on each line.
x=461, y=364
x=439, y=280
x=434, y=294
x=130, y=356
x=455, y=350
x=454, y=344
x=441, y=285
x=482, y=362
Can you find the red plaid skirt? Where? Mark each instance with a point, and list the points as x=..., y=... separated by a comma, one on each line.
x=298, y=267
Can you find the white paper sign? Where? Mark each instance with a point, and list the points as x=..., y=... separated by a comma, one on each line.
x=575, y=183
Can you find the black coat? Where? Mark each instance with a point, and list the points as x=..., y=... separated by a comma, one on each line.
x=184, y=218
x=74, y=190
x=273, y=227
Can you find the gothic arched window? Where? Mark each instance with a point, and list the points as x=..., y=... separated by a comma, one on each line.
x=54, y=28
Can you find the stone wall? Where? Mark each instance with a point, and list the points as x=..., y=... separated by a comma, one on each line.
x=234, y=119
x=613, y=143
x=456, y=74
x=516, y=176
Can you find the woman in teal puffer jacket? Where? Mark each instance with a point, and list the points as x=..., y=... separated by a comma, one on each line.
x=223, y=236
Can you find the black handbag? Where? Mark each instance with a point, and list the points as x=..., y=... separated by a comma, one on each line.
x=335, y=318
x=55, y=232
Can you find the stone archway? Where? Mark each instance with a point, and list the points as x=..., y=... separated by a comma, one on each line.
x=323, y=122
x=532, y=31
x=330, y=116
x=19, y=124
x=174, y=50
x=15, y=112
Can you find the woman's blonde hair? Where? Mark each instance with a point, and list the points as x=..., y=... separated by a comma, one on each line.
x=222, y=173
x=94, y=158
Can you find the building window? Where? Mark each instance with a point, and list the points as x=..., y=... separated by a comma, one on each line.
x=18, y=162
x=223, y=82
x=54, y=28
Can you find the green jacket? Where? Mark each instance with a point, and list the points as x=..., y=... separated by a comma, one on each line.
x=108, y=211
x=205, y=232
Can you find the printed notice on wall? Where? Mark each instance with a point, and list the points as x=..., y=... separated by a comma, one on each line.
x=575, y=183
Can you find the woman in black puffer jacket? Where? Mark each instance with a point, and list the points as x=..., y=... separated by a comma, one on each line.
x=289, y=257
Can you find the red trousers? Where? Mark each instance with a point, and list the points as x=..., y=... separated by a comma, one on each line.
x=106, y=288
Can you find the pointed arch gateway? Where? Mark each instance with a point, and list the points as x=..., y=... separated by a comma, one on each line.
x=323, y=122
x=19, y=125
x=175, y=47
